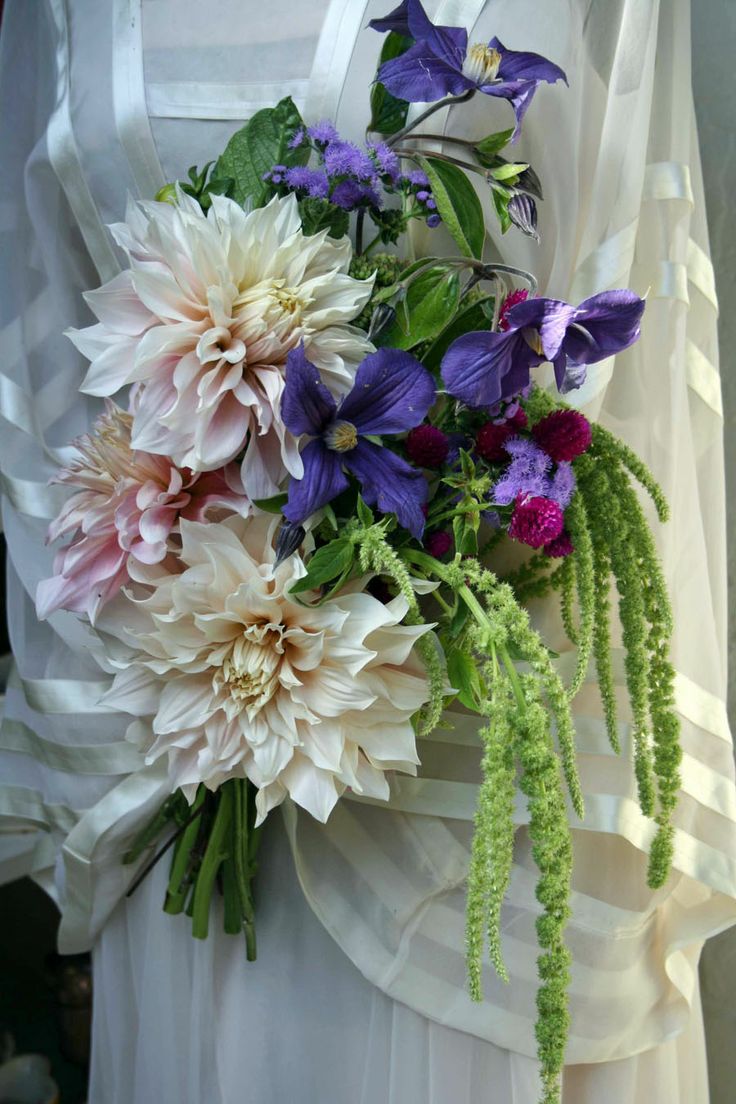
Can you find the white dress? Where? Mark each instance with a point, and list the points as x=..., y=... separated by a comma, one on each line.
x=358, y=992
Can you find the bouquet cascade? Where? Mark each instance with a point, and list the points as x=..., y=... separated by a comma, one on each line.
x=284, y=534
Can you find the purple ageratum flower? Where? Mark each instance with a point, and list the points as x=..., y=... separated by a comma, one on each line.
x=440, y=63
x=484, y=368
x=392, y=393
x=346, y=159
x=527, y=474
x=311, y=181
x=386, y=160
x=350, y=194
x=323, y=132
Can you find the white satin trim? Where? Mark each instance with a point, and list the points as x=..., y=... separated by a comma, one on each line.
x=129, y=99
x=64, y=157
x=332, y=58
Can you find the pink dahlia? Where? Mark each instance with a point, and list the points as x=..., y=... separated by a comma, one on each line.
x=536, y=521
x=563, y=434
x=127, y=506
x=203, y=321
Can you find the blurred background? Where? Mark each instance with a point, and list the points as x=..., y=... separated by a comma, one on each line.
x=45, y=1001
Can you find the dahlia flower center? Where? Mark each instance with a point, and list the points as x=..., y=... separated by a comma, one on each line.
x=250, y=674
x=481, y=63
x=341, y=437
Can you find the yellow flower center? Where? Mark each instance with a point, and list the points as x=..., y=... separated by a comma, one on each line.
x=481, y=63
x=341, y=437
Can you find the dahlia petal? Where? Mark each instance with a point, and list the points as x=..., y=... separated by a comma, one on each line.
x=118, y=307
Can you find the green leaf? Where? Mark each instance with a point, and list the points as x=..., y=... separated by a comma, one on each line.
x=256, y=147
x=501, y=197
x=488, y=147
x=462, y=671
x=319, y=214
x=465, y=531
x=457, y=204
x=430, y=303
x=469, y=320
x=388, y=114
x=327, y=563
x=508, y=169
x=271, y=505
x=365, y=514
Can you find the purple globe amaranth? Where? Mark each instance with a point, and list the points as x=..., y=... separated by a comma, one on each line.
x=485, y=367
x=442, y=63
x=536, y=521
x=392, y=393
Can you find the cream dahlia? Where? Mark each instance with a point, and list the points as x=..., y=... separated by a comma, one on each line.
x=127, y=506
x=233, y=677
x=204, y=319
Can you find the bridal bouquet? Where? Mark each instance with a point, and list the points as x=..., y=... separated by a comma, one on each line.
x=284, y=530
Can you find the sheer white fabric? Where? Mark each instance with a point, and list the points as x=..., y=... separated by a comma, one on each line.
x=102, y=98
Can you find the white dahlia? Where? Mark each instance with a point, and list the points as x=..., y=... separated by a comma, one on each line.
x=233, y=677
x=204, y=319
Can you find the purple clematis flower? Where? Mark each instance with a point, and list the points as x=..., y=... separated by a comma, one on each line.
x=392, y=393
x=440, y=63
x=484, y=368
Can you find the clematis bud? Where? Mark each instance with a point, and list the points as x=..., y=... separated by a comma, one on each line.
x=288, y=540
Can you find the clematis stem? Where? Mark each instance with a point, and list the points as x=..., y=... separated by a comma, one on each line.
x=449, y=101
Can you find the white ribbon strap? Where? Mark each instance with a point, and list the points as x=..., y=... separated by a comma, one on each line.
x=129, y=99
x=118, y=757
x=64, y=157
x=65, y=695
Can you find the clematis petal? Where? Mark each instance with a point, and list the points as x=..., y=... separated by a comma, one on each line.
x=523, y=65
x=482, y=368
x=604, y=325
x=447, y=43
x=550, y=317
x=420, y=76
x=396, y=21
x=392, y=392
x=306, y=404
x=322, y=481
x=389, y=483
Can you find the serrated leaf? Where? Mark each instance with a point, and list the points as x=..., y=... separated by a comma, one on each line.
x=319, y=214
x=493, y=144
x=257, y=146
x=457, y=204
x=388, y=114
x=326, y=564
x=431, y=301
x=463, y=674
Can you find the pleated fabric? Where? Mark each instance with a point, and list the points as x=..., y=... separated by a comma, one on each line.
x=359, y=992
